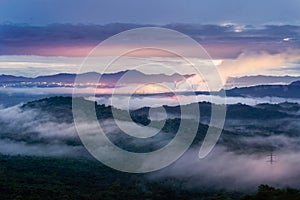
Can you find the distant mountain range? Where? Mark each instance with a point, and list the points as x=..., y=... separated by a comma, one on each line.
x=291, y=90
x=285, y=91
x=246, y=81
x=110, y=79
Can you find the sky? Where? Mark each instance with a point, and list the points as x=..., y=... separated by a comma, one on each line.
x=242, y=38
x=255, y=12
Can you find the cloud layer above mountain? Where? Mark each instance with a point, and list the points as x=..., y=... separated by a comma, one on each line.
x=221, y=41
x=237, y=50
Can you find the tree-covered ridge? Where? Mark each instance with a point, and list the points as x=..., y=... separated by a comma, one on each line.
x=36, y=178
x=242, y=121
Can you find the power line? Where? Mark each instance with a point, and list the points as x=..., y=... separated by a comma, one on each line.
x=272, y=158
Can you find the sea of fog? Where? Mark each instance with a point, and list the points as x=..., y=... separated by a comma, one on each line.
x=32, y=132
x=14, y=96
x=136, y=102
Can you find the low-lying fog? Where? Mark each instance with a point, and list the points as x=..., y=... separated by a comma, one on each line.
x=237, y=163
x=14, y=96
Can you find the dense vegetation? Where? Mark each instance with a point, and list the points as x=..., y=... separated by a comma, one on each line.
x=24, y=177
x=266, y=192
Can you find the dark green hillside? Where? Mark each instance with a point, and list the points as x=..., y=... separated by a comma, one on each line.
x=36, y=178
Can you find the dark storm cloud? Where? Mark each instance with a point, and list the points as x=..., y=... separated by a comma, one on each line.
x=26, y=39
x=222, y=41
